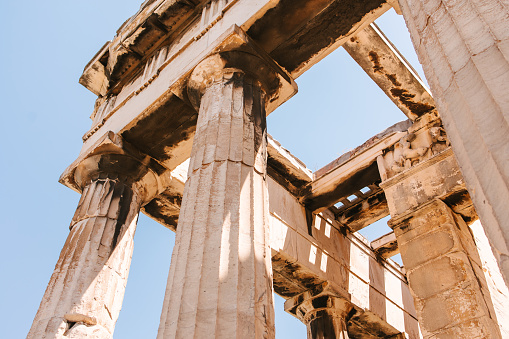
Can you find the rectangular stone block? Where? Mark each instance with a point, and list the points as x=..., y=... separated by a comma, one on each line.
x=469, y=329
x=426, y=247
x=438, y=275
x=421, y=184
x=449, y=309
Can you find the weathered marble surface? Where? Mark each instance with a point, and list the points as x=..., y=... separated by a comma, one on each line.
x=220, y=279
x=85, y=293
x=464, y=49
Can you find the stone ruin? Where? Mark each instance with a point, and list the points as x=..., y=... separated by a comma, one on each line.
x=179, y=133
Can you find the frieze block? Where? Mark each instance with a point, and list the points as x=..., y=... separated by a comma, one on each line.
x=424, y=139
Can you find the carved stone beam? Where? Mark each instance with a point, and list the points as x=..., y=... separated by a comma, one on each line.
x=386, y=246
x=390, y=71
x=363, y=211
x=347, y=176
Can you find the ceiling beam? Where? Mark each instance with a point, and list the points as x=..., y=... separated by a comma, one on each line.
x=386, y=246
x=378, y=57
x=349, y=173
x=364, y=211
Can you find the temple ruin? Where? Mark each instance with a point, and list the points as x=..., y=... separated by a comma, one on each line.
x=179, y=133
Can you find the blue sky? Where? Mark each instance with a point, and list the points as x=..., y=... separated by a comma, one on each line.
x=45, y=112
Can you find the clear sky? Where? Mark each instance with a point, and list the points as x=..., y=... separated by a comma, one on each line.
x=45, y=112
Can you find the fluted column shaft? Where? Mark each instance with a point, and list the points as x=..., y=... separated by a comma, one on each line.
x=220, y=279
x=327, y=324
x=85, y=292
x=463, y=46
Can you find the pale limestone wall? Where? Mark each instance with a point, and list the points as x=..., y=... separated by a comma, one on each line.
x=444, y=274
x=347, y=261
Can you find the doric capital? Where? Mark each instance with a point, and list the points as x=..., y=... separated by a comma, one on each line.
x=112, y=157
x=222, y=67
x=235, y=52
x=323, y=298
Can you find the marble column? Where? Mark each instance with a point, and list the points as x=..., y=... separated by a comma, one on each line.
x=84, y=296
x=220, y=279
x=324, y=312
x=445, y=274
x=463, y=46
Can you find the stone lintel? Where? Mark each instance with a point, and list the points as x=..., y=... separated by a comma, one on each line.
x=368, y=208
x=285, y=168
x=312, y=37
x=154, y=24
x=134, y=109
x=158, y=117
x=401, y=126
x=163, y=22
x=386, y=246
x=366, y=324
x=385, y=65
x=148, y=77
x=437, y=177
x=348, y=174
x=327, y=189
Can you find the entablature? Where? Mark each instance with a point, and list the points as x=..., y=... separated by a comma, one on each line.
x=133, y=81
x=281, y=28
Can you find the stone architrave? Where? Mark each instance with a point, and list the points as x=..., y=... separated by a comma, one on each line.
x=84, y=296
x=220, y=279
x=323, y=310
x=464, y=49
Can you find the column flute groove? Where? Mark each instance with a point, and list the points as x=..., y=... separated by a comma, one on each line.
x=220, y=280
x=82, y=296
x=85, y=293
x=464, y=49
